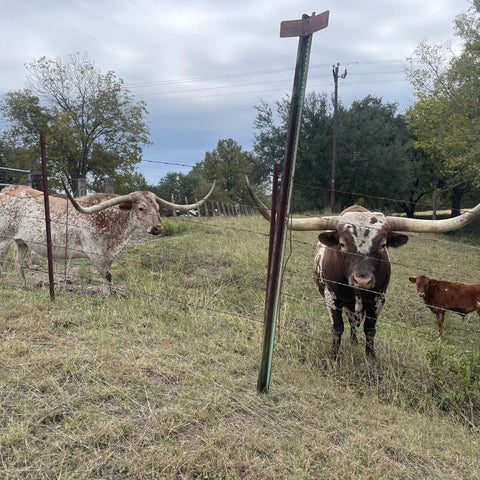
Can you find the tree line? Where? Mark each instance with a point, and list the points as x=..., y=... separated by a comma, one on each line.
x=427, y=156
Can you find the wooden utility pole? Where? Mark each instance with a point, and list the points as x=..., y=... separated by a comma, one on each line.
x=335, y=133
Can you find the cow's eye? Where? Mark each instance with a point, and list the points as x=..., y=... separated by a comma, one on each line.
x=140, y=209
x=342, y=246
x=384, y=246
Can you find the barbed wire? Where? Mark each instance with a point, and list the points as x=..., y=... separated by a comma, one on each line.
x=322, y=326
x=288, y=271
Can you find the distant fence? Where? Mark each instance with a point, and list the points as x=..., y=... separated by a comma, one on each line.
x=214, y=208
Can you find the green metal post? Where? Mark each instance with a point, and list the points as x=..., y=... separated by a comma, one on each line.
x=281, y=217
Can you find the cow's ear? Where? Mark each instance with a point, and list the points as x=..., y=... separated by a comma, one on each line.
x=125, y=206
x=329, y=238
x=413, y=279
x=396, y=239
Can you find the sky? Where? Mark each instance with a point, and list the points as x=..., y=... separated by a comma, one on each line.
x=202, y=66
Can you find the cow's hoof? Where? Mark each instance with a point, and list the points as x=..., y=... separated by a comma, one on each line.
x=371, y=358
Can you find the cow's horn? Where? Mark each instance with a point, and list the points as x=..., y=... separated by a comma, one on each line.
x=184, y=208
x=401, y=224
x=311, y=223
x=99, y=206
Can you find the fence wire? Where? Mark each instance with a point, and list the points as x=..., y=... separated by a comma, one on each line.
x=299, y=250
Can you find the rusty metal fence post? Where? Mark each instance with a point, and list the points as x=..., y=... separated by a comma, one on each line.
x=47, y=217
x=304, y=29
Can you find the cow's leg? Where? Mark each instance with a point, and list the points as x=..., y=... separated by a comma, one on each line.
x=22, y=250
x=103, y=265
x=335, y=314
x=337, y=330
x=4, y=246
x=440, y=318
x=369, y=327
x=355, y=319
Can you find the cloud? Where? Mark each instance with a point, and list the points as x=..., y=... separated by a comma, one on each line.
x=202, y=65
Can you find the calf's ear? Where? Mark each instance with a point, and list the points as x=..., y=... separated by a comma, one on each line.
x=413, y=279
x=329, y=238
x=396, y=239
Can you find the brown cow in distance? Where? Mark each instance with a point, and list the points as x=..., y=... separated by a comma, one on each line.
x=441, y=296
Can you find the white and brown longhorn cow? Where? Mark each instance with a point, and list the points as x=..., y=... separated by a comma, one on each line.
x=351, y=265
x=98, y=228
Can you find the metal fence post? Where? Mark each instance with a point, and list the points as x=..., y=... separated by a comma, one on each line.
x=303, y=28
x=47, y=217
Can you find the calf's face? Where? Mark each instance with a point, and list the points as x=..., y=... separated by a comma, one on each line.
x=422, y=283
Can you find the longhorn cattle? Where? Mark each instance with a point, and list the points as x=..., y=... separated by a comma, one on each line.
x=441, y=296
x=98, y=227
x=351, y=265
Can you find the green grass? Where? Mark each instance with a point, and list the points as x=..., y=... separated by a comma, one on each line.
x=161, y=383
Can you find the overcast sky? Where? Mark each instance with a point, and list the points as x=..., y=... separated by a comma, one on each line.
x=202, y=65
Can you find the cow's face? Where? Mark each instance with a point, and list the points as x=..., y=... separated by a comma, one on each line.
x=145, y=211
x=422, y=283
x=361, y=240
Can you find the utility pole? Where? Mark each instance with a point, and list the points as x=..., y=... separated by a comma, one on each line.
x=335, y=131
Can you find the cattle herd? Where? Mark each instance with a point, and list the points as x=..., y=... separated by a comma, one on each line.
x=351, y=264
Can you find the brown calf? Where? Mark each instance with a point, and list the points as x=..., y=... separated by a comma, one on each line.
x=440, y=296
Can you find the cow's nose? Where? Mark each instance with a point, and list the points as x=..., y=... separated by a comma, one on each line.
x=156, y=230
x=362, y=280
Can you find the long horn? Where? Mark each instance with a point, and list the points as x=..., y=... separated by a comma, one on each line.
x=311, y=223
x=401, y=224
x=99, y=206
x=184, y=208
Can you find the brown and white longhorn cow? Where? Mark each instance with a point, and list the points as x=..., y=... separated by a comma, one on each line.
x=441, y=296
x=98, y=228
x=351, y=265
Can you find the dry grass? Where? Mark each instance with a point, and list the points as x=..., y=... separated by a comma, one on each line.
x=161, y=383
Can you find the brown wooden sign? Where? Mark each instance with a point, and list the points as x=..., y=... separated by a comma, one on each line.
x=305, y=26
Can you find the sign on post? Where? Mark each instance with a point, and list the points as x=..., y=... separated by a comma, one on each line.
x=305, y=26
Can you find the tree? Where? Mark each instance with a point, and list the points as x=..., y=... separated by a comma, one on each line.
x=312, y=173
x=446, y=116
x=93, y=126
x=372, y=160
x=179, y=185
x=269, y=139
x=372, y=154
x=227, y=164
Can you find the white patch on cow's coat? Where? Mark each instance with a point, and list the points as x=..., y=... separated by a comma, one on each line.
x=364, y=228
x=317, y=266
x=354, y=318
x=330, y=302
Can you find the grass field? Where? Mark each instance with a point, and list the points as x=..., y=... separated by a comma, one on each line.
x=159, y=382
